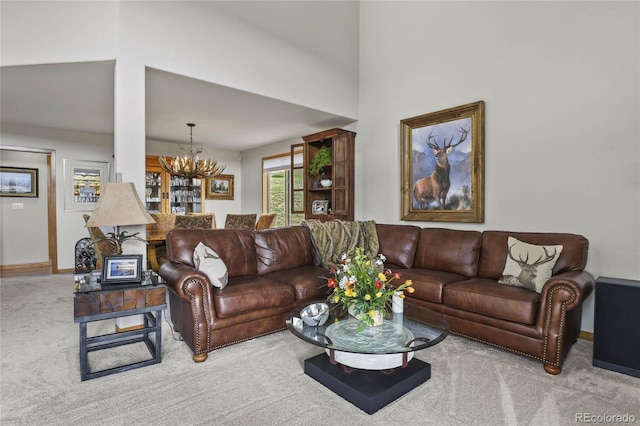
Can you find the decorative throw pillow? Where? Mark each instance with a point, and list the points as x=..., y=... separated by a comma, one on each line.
x=528, y=265
x=207, y=260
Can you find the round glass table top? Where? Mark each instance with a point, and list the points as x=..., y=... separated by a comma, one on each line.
x=397, y=333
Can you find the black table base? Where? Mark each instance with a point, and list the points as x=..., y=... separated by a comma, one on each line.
x=369, y=390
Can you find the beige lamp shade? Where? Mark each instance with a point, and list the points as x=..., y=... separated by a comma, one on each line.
x=119, y=205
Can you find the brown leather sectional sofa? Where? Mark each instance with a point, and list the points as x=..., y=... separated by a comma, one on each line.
x=454, y=273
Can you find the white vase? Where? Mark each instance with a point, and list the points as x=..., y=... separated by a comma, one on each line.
x=397, y=304
x=377, y=318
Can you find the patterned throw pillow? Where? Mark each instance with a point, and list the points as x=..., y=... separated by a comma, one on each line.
x=528, y=265
x=207, y=260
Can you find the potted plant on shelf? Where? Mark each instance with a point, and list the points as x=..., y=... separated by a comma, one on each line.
x=320, y=160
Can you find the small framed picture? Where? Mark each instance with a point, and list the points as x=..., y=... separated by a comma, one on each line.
x=320, y=207
x=18, y=182
x=122, y=269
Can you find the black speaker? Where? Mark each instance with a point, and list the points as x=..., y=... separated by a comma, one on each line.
x=616, y=334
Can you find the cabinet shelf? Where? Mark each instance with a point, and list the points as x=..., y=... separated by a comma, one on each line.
x=162, y=190
x=340, y=194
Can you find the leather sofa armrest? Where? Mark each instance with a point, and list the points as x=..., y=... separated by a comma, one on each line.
x=188, y=283
x=578, y=284
x=562, y=293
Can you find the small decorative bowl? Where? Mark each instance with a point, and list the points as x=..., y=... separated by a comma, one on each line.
x=315, y=314
x=326, y=183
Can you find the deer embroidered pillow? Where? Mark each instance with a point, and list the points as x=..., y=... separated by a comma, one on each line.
x=529, y=265
x=208, y=261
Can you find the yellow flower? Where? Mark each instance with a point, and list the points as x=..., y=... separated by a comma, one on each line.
x=382, y=277
x=349, y=293
x=402, y=296
x=367, y=297
x=408, y=283
x=379, y=294
x=410, y=289
x=372, y=313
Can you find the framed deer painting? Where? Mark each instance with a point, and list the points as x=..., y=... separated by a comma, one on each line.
x=443, y=165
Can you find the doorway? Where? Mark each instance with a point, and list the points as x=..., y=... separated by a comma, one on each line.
x=49, y=171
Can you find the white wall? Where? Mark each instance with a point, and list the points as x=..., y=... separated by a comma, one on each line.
x=28, y=224
x=560, y=82
x=40, y=32
x=67, y=145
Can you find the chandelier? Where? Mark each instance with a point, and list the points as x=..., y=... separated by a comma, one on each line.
x=190, y=165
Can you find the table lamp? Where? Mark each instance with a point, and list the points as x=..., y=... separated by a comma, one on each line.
x=119, y=205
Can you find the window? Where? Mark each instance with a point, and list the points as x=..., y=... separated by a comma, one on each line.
x=276, y=180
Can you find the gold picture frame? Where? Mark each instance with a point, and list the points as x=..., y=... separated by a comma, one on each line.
x=443, y=165
x=219, y=188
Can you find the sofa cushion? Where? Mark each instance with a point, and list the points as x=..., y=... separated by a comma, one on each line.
x=449, y=250
x=283, y=248
x=251, y=293
x=309, y=282
x=235, y=247
x=398, y=243
x=494, y=251
x=428, y=284
x=208, y=261
x=529, y=265
x=489, y=298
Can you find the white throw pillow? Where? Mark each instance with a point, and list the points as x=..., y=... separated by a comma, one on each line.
x=208, y=261
x=528, y=265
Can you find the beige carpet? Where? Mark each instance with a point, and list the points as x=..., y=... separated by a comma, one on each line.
x=261, y=382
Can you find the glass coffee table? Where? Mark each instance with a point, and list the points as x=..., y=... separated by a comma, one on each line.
x=375, y=366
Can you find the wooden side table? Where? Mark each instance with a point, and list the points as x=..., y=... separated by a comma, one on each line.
x=114, y=302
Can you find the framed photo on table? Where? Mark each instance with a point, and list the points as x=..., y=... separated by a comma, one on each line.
x=122, y=269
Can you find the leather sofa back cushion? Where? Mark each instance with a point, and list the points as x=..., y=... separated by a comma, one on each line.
x=398, y=243
x=283, y=248
x=449, y=250
x=493, y=254
x=235, y=247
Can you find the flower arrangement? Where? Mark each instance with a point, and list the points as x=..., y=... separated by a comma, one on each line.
x=363, y=285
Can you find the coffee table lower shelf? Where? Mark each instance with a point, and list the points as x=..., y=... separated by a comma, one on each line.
x=369, y=390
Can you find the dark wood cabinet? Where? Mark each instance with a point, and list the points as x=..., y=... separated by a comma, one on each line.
x=334, y=200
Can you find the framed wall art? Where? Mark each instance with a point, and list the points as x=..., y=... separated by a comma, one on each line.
x=320, y=207
x=18, y=182
x=443, y=165
x=83, y=182
x=122, y=269
x=219, y=188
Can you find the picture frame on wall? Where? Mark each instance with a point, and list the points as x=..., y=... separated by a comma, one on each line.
x=83, y=182
x=122, y=269
x=442, y=165
x=219, y=188
x=18, y=182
